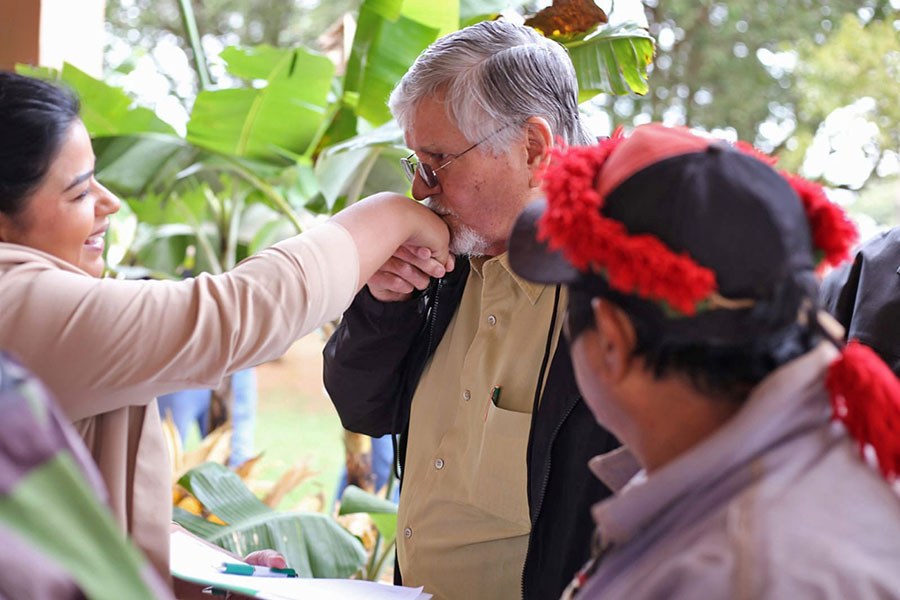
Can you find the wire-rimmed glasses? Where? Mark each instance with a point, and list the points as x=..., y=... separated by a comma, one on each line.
x=411, y=164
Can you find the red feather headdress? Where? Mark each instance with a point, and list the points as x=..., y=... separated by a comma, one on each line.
x=865, y=394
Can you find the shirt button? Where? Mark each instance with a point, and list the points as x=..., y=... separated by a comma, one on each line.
x=407, y=533
x=467, y=395
x=439, y=464
x=492, y=320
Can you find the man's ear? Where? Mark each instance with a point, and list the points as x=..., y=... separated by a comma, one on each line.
x=617, y=339
x=538, y=143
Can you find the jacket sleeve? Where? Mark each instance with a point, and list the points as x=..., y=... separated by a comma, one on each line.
x=837, y=293
x=367, y=358
x=103, y=344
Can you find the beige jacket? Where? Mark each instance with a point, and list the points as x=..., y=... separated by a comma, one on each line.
x=106, y=348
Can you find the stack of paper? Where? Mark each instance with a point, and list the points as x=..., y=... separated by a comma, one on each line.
x=193, y=560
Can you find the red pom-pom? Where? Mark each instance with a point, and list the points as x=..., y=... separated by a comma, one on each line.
x=832, y=232
x=865, y=397
x=632, y=264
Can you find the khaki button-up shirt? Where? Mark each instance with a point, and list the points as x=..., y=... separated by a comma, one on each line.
x=463, y=519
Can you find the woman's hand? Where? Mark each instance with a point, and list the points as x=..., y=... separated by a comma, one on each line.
x=266, y=558
x=401, y=244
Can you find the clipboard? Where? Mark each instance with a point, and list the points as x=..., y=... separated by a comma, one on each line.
x=194, y=560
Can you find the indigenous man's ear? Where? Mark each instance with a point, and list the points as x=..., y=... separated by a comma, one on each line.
x=617, y=339
x=538, y=142
x=6, y=228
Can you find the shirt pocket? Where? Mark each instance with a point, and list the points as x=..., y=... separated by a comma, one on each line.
x=501, y=476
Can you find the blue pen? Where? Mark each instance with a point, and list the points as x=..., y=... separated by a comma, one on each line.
x=256, y=571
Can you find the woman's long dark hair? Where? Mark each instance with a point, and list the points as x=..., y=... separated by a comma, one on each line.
x=34, y=118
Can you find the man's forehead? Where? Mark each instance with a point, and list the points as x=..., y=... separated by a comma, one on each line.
x=430, y=128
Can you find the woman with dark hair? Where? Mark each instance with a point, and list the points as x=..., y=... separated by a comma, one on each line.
x=106, y=348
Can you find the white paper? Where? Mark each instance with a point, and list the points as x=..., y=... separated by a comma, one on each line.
x=193, y=560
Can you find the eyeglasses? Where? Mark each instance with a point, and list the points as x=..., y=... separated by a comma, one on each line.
x=411, y=164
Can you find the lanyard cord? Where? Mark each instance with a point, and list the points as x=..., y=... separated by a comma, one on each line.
x=543, y=372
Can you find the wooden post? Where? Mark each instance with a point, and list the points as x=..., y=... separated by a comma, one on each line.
x=49, y=32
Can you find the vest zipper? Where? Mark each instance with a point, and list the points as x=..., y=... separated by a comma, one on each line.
x=546, y=480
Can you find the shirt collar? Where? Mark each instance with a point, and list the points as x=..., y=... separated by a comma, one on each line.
x=795, y=393
x=615, y=468
x=480, y=263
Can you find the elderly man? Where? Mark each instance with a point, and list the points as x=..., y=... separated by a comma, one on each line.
x=468, y=368
x=695, y=338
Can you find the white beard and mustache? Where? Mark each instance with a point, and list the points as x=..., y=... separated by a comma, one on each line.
x=464, y=241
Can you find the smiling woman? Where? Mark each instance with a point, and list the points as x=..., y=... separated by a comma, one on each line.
x=106, y=348
x=67, y=215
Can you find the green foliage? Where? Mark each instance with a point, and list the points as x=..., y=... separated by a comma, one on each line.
x=76, y=535
x=315, y=545
x=383, y=512
x=857, y=61
x=289, y=137
x=105, y=110
x=708, y=73
x=250, y=121
x=612, y=60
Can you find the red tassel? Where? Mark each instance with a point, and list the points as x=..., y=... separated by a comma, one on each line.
x=865, y=397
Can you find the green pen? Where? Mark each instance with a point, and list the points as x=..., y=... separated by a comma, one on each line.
x=495, y=395
x=256, y=571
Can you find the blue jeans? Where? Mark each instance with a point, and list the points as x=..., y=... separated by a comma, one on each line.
x=192, y=406
x=382, y=463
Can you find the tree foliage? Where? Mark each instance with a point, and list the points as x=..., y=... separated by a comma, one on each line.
x=858, y=61
x=730, y=64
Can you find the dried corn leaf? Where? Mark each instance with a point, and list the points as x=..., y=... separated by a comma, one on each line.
x=215, y=447
x=190, y=504
x=249, y=468
x=173, y=444
x=312, y=503
x=360, y=525
x=299, y=472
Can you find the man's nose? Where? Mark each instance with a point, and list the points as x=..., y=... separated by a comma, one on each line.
x=420, y=189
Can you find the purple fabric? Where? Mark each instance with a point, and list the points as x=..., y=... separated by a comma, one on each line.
x=775, y=504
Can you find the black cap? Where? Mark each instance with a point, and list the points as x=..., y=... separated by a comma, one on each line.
x=728, y=211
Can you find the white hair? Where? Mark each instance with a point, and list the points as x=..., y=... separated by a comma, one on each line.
x=494, y=74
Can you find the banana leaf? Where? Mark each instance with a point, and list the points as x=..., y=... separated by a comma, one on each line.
x=389, y=37
x=55, y=514
x=315, y=545
x=383, y=512
x=472, y=11
x=395, y=45
x=105, y=110
x=443, y=16
x=133, y=165
x=266, y=122
x=612, y=60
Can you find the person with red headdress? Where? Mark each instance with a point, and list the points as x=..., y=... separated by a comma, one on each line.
x=758, y=446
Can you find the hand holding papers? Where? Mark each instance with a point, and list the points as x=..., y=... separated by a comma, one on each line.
x=192, y=559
